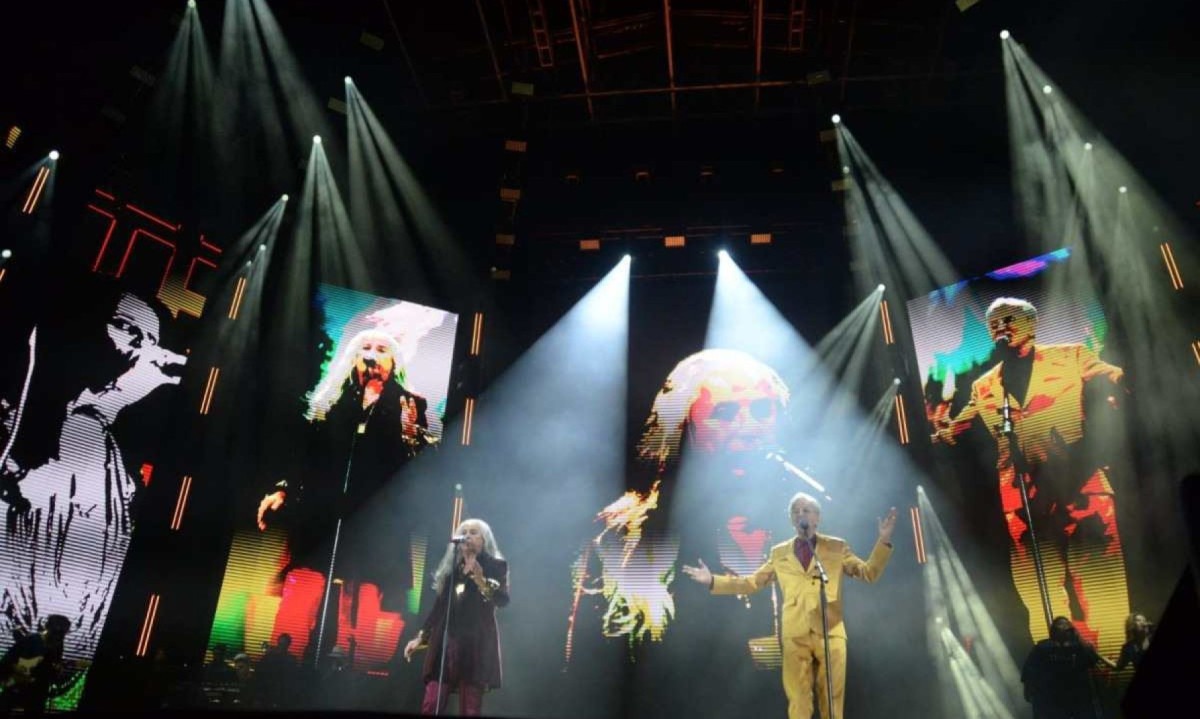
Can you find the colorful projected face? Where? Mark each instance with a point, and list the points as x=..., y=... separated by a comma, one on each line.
x=734, y=412
x=374, y=360
x=1016, y=325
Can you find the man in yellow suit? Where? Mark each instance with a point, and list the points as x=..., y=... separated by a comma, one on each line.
x=791, y=565
x=1040, y=388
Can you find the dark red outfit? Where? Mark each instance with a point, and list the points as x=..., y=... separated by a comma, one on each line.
x=473, y=651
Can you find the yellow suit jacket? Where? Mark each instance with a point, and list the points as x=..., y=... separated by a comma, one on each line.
x=802, y=588
x=1050, y=419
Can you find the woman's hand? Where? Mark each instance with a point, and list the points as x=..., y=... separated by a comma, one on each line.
x=412, y=647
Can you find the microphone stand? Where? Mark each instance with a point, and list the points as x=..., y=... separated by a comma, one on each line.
x=1022, y=474
x=825, y=630
x=359, y=428
x=437, y=710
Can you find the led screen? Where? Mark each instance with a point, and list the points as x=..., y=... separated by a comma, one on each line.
x=304, y=561
x=93, y=364
x=1019, y=387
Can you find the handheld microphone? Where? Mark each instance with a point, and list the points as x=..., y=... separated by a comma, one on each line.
x=458, y=539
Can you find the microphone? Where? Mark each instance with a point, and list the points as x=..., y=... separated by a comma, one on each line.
x=458, y=539
x=804, y=524
x=1006, y=414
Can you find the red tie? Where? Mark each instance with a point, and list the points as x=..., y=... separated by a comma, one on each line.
x=804, y=552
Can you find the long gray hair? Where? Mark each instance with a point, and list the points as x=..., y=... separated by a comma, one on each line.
x=446, y=567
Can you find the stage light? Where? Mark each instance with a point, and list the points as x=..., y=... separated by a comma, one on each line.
x=249, y=263
x=880, y=288
x=1087, y=146
x=54, y=154
x=836, y=119
x=316, y=139
x=1122, y=189
x=627, y=257
x=349, y=81
x=1004, y=35
x=1046, y=89
x=845, y=169
x=262, y=248
x=5, y=254
x=284, y=198
x=896, y=381
x=723, y=254
x=191, y=4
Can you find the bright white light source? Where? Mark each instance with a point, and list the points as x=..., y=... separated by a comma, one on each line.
x=1046, y=89
x=348, y=80
x=5, y=254
x=1087, y=146
x=836, y=119
x=1122, y=189
x=284, y=198
x=192, y=4
x=896, y=381
x=627, y=257
x=1004, y=35
x=316, y=139
x=54, y=154
x=880, y=288
x=262, y=248
x=723, y=254
x=845, y=170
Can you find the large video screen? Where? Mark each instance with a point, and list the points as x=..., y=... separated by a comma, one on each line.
x=1020, y=392
x=89, y=375
x=303, y=576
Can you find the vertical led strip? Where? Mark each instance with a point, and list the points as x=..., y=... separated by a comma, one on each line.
x=209, y=389
x=185, y=487
x=35, y=192
x=148, y=625
x=456, y=516
x=468, y=418
x=918, y=534
x=901, y=419
x=888, y=337
x=1172, y=268
x=477, y=335
x=236, y=304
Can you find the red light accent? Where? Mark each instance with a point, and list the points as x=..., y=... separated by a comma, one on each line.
x=129, y=251
x=152, y=218
x=209, y=246
x=105, y=195
x=112, y=225
x=146, y=471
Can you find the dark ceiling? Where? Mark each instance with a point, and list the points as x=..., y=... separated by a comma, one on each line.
x=605, y=88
